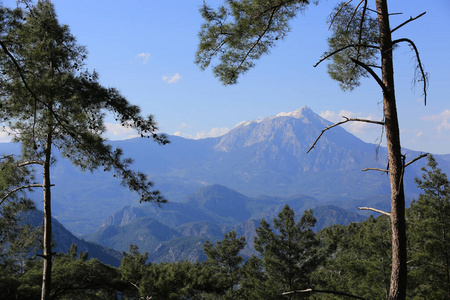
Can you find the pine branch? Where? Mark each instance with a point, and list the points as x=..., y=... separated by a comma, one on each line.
x=416, y=159
x=375, y=210
x=311, y=291
x=407, y=21
x=258, y=40
x=343, y=122
x=424, y=75
x=342, y=49
x=30, y=162
x=371, y=72
x=375, y=169
x=20, y=188
x=336, y=14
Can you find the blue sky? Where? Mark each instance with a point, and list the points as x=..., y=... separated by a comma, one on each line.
x=146, y=49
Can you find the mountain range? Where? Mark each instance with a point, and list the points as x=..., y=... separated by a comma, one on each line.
x=265, y=160
x=177, y=231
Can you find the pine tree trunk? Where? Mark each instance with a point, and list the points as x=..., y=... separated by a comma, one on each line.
x=47, y=255
x=398, y=223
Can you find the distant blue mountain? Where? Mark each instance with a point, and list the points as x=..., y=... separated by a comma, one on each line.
x=263, y=157
x=178, y=230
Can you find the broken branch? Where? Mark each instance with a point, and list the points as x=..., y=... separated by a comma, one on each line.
x=375, y=210
x=375, y=169
x=416, y=159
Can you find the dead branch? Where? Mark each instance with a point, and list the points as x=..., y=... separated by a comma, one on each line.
x=375, y=210
x=342, y=49
x=375, y=169
x=343, y=122
x=407, y=21
x=30, y=162
x=424, y=75
x=18, y=189
x=311, y=291
x=416, y=159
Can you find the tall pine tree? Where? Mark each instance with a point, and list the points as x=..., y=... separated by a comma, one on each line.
x=429, y=235
x=241, y=31
x=50, y=102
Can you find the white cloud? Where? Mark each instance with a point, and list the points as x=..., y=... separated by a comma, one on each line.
x=172, y=79
x=215, y=132
x=443, y=120
x=119, y=132
x=4, y=136
x=183, y=126
x=145, y=56
x=363, y=130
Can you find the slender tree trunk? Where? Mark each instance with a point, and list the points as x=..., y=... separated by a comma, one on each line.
x=47, y=255
x=398, y=223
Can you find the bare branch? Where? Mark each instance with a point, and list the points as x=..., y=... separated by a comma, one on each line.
x=394, y=14
x=371, y=72
x=424, y=75
x=311, y=291
x=375, y=169
x=416, y=159
x=342, y=49
x=375, y=210
x=343, y=122
x=18, y=189
x=406, y=22
x=30, y=162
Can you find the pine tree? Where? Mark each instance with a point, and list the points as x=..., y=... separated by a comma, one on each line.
x=289, y=252
x=49, y=101
x=241, y=31
x=429, y=218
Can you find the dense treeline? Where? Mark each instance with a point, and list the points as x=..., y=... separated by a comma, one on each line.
x=346, y=260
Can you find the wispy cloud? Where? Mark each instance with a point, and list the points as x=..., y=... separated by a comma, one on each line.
x=442, y=119
x=119, y=132
x=144, y=56
x=184, y=125
x=172, y=79
x=215, y=132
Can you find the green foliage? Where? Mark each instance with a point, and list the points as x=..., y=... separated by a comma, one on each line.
x=354, y=37
x=290, y=253
x=224, y=264
x=46, y=91
x=429, y=237
x=241, y=31
x=358, y=258
x=18, y=240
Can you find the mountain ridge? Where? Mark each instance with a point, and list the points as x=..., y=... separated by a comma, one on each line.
x=263, y=157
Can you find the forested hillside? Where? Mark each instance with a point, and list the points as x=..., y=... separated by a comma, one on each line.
x=338, y=261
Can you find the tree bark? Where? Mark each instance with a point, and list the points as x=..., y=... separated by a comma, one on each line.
x=47, y=253
x=396, y=167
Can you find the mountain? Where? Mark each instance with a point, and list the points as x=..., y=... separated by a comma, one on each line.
x=178, y=230
x=64, y=239
x=262, y=157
